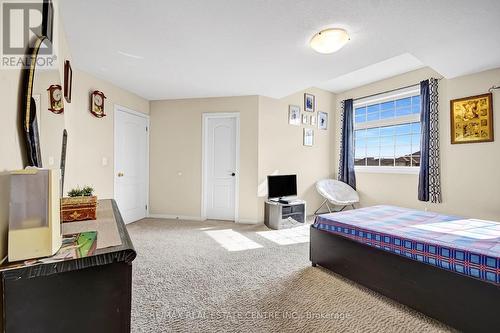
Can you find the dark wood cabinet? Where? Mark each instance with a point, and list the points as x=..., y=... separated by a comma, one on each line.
x=91, y=294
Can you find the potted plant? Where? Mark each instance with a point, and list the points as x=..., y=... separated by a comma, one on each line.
x=81, y=204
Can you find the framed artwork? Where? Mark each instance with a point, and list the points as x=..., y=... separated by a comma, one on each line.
x=472, y=119
x=308, y=137
x=68, y=81
x=312, y=121
x=294, y=115
x=305, y=119
x=309, y=102
x=322, y=120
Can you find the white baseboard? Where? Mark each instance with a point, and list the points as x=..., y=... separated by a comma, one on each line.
x=197, y=218
x=176, y=217
x=249, y=221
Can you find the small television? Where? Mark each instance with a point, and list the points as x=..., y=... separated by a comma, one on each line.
x=282, y=186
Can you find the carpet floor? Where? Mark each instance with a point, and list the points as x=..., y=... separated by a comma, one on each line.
x=202, y=277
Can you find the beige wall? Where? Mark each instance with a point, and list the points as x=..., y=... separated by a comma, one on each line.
x=89, y=138
x=267, y=143
x=176, y=148
x=281, y=147
x=469, y=172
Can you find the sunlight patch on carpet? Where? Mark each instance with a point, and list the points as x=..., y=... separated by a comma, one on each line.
x=287, y=236
x=232, y=240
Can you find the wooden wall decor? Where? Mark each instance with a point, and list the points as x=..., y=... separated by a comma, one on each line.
x=472, y=119
x=56, y=104
x=68, y=81
x=97, y=104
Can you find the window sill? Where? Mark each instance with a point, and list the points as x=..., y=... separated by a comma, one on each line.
x=382, y=169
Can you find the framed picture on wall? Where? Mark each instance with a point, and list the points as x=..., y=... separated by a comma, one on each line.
x=472, y=119
x=312, y=121
x=309, y=102
x=308, y=137
x=294, y=115
x=322, y=120
x=68, y=81
x=305, y=119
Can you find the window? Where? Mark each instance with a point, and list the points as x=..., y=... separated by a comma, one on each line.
x=387, y=130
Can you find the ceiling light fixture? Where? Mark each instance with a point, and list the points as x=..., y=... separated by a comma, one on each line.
x=329, y=40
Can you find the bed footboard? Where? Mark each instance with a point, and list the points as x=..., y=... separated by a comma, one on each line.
x=462, y=302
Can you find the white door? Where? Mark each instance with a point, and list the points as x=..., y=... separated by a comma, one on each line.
x=131, y=163
x=221, y=145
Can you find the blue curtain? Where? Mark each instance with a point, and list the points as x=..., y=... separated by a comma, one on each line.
x=429, y=182
x=423, y=178
x=346, y=163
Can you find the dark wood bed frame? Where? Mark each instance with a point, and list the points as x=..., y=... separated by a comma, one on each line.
x=462, y=302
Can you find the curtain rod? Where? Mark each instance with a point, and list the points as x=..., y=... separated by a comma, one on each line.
x=385, y=92
x=388, y=91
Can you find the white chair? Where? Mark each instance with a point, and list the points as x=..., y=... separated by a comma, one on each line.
x=337, y=193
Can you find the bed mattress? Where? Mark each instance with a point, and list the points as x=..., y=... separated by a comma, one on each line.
x=466, y=246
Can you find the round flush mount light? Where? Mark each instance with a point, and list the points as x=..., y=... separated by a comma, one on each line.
x=329, y=40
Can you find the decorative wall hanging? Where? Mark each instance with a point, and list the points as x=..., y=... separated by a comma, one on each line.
x=294, y=115
x=56, y=104
x=68, y=81
x=305, y=119
x=309, y=102
x=312, y=121
x=47, y=19
x=29, y=115
x=322, y=120
x=97, y=104
x=495, y=87
x=308, y=137
x=472, y=119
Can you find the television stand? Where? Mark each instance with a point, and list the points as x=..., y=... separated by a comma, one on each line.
x=280, y=215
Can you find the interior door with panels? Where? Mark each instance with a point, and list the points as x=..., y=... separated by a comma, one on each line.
x=131, y=164
x=221, y=167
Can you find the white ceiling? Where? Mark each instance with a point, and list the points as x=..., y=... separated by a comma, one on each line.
x=165, y=49
x=378, y=71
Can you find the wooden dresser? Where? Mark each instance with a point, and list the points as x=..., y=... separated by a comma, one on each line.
x=90, y=294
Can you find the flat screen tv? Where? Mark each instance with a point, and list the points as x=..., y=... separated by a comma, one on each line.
x=282, y=186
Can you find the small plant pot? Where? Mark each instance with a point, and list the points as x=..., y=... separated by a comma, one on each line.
x=78, y=208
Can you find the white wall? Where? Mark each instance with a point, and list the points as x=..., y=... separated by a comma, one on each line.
x=469, y=172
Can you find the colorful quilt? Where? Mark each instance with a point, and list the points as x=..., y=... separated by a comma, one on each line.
x=466, y=246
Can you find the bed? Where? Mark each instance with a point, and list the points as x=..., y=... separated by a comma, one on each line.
x=444, y=266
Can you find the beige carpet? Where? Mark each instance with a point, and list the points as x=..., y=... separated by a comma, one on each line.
x=185, y=281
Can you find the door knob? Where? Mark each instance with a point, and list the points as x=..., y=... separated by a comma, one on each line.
x=120, y=174
x=233, y=174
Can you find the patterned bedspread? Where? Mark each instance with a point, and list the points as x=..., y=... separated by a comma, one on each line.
x=465, y=246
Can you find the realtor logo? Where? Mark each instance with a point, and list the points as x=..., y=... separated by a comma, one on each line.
x=22, y=24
